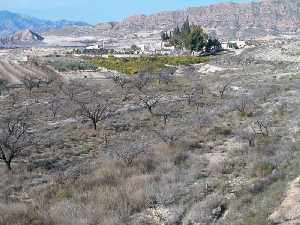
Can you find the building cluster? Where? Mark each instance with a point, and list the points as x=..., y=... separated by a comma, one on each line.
x=159, y=48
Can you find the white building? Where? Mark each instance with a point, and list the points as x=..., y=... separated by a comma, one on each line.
x=233, y=44
x=92, y=47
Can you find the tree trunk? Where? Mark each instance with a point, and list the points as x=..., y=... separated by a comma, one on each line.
x=8, y=165
x=95, y=125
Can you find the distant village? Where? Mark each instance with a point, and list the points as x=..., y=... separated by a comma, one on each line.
x=189, y=39
x=162, y=48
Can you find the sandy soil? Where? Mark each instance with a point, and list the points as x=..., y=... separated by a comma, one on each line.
x=288, y=213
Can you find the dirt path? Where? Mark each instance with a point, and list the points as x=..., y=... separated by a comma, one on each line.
x=35, y=71
x=288, y=213
x=7, y=73
x=13, y=69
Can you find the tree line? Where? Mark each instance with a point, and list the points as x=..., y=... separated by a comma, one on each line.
x=190, y=37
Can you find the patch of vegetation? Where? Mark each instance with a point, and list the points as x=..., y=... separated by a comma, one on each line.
x=64, y=65
x=3, y=86
x=263, y=169
x=154, y=64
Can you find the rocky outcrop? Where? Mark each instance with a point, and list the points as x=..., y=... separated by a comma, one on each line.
x=22, y=37
x=227, y=20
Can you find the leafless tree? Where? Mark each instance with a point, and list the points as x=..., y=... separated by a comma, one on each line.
x=261, y=128
x=141, y=81
x=121, y=81
x=95, y=113
x=222, y=88
x=149, y=102
x=249, y=136
x=165, y=75
x=165, y=111
x=129, y=153
x=245, y=106
x=14, y=137
x=54, y=105
x=125, y=84
x=189, y=94
x=95, y=107
x=193, y=96
x=72, y=89
x=31, y=82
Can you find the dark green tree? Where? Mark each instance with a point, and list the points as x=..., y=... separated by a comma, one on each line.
x=176, y=38
x=3, y=85
x=197, y=39
x=185, y=33
x=213, y=44
x=164, y=36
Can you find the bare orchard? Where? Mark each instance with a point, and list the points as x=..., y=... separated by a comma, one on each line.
x=214, y=143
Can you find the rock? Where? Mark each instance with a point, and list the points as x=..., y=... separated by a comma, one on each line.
x=38, y=181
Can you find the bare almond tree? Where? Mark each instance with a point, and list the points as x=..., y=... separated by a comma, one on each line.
x=121, y=81
x=246, y=106
x=94, y=107
x=149, y=102
x=129, y=153
x=261, y=128
x=94, y=112
x=72, y=89
x=165, y=76
x=141, y=81
x=31, y=82
x=54, y=105
x=165, y=111
x=223, y=88
x=14, y=138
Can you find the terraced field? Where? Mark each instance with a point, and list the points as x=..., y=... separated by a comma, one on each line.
x=14, y=71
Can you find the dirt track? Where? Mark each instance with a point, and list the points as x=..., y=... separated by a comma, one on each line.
x=14, y=72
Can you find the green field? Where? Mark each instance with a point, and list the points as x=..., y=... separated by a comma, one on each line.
x=135, y=65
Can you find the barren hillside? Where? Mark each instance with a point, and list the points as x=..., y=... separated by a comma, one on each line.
x=226, y=20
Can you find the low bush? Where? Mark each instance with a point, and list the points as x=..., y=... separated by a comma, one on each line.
x=65, y=65
x=262, y=169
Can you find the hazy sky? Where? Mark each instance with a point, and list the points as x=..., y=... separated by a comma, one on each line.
x=93, y=11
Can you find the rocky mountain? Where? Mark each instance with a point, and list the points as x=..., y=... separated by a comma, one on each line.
x=226, y=20
x=21, y=37
x=12, y=22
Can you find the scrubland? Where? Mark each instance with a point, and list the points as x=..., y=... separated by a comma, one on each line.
x=168, y=147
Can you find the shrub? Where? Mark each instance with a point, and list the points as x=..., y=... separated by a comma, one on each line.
x=65, y=65
x=262, y=169
x=63, y=194
x=20, y=214
x=181, y=159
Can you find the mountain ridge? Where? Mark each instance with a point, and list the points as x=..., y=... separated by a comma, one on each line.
x=228, y=21
x=231, y=20
x=11, y=22
x=21, y=37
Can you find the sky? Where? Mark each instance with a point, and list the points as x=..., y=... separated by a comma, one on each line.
x=94, y=11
